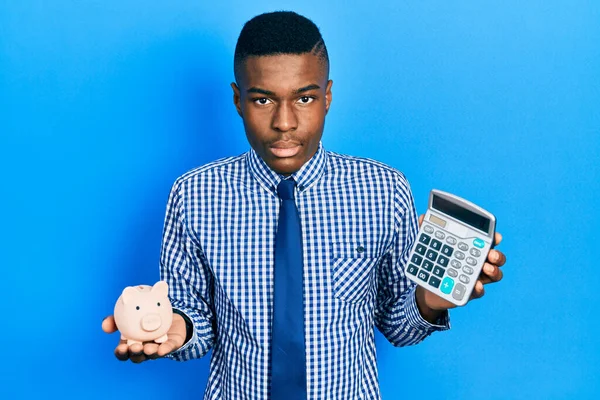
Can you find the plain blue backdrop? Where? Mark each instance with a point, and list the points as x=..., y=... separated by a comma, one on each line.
x=103, y=104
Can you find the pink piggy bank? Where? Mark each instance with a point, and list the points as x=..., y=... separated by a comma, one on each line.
x=143, y=313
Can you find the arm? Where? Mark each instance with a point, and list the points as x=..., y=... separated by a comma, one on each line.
x=184, y=267
x=398, y=314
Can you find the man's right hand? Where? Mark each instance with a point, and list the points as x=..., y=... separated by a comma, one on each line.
x=148, y=350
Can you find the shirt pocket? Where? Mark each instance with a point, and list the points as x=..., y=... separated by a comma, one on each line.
x=352, y=268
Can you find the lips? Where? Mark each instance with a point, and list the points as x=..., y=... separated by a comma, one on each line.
x=285, y=149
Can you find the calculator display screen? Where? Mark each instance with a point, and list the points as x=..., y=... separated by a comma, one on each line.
x=461, y=214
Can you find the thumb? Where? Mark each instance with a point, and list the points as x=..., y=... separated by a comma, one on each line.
x=175, y=336
x=174, y=342
x=421, y=218
x=109, y=325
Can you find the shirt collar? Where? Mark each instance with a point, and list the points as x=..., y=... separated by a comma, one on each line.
x=304, y=177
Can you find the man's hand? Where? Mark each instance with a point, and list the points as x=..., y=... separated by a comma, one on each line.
x=432, y=305
x=148, y=350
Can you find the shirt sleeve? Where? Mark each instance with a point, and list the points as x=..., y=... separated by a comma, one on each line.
x=184, y=267
x=396, y=314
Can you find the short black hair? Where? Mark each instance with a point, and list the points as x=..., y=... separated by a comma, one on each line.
x=276, y=33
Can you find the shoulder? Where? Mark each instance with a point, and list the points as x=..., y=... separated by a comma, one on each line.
x=344, y=164
x=389, y=182
x=218, y=168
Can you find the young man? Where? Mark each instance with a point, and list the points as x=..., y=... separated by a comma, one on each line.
x=285, y=258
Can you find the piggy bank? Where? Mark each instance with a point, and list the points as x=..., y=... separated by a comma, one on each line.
x=143, y=313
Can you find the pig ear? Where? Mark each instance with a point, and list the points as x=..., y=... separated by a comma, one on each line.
x=128, y=294
x=161, y=288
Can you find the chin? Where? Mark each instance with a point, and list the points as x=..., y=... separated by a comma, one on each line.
x=286, y=166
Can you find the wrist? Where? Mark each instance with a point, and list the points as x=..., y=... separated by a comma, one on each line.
x=427, y=312
x=189, y=328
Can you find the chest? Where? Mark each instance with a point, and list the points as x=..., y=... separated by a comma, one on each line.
x=346, y=230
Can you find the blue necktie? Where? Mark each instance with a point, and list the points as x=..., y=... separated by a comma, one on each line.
x=288, y=359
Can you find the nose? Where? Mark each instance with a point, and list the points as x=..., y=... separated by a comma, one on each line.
x=151, y=322
x=284, y=118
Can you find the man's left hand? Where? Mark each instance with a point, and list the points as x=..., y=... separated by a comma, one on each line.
x=431, y=305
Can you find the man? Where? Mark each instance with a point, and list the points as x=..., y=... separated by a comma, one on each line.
x=283, y=259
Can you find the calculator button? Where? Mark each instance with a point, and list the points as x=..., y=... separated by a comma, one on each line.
x=478, y=243
x=447, y=251
x=451, y=240
x=471, y=261
x=463, y=246
x=474, y=252
x=435, y=282
x=432, y=255
x=459, y=291
x=412, y=269
x=428, y=229
x=447, y=285
x=464, y=279
x=437, y=271
x=468, y=270
x=440, y=235
x=416, y=259
x=424, y=239
x=424, y=276
x=427, y=265
x=435, y=244
x=420, y=249
x=455, y=264
x=443, y=261
x=459, y=255
x=451, y=272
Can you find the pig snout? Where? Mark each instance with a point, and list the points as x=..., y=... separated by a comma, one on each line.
x=151, y=322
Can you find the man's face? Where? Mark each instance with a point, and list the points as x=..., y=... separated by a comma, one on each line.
x=283, y=101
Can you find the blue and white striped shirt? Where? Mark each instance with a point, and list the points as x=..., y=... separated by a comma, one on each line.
x=358, y=224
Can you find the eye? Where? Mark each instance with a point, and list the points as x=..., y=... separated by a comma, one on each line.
x=306, y=99
x=158, y=304
x=137, y=307
x=262, y=101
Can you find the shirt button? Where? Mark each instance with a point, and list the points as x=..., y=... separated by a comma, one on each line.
x=360, y=249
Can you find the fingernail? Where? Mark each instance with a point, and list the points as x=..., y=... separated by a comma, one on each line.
x=489, y=269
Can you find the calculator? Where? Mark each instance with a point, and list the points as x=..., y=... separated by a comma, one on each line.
x=451, y=247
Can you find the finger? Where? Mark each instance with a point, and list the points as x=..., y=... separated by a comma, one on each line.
x=497, y=239
x=490, y=273
x=174, y=342
x=138, y=357
x=421, y=218
x=122, y=352
x=478, y=290
x=136, y=348
x=109, y=325
x=151, y=350
x=496, y=257
x=136, y=353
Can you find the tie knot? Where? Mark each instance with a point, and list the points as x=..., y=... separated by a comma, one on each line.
x=285, y=189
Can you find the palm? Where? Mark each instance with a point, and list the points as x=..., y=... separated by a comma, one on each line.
x=139, y=352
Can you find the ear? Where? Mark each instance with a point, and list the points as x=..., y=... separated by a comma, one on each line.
x=328, y=96
x=128, y=293
x=237, y=100
x=161, y=288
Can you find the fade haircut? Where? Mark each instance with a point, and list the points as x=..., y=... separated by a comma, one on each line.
x=277, y=33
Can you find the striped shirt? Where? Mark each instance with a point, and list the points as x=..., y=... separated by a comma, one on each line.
x=358, y=223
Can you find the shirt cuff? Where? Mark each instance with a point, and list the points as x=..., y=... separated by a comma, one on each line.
x=416, y=320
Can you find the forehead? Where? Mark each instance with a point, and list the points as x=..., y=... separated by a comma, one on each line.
x=283, y=71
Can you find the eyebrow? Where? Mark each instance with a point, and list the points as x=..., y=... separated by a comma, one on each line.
x=261, y=91
x=297, y=91
x=307, y=88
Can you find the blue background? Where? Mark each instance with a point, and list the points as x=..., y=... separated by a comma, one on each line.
x=103, y=104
